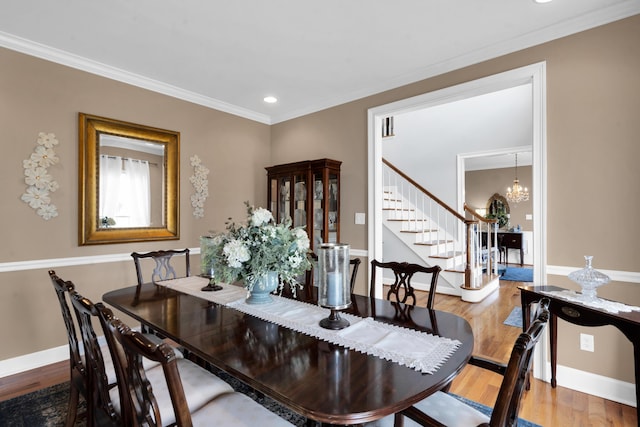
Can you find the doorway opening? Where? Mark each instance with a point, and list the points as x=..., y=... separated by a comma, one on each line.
x=449, y=186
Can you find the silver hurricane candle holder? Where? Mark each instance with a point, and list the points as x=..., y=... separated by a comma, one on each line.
x=334, y=291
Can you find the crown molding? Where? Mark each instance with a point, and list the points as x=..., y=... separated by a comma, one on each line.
x=61, y=57
x=575, y=25
x=566, y=28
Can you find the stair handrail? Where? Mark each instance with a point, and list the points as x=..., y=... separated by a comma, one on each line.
x=470, y=278
x=491, y=225
x=425, y=191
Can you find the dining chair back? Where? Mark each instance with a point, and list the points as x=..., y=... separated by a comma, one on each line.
x=100, y=408
x=401, y=290
x=430, y=412
x=78, y=374
x=162, y=270
x=145, y=403
x=354, y=264
x=138, y=405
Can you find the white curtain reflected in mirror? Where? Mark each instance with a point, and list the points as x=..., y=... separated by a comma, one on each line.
x=125, y=193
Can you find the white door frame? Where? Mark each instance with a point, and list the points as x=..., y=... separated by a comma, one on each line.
x=534, y=74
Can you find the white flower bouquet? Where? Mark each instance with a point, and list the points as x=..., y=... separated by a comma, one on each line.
x=246, y=252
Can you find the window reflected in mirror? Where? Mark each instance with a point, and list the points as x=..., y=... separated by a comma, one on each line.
x=131, y=172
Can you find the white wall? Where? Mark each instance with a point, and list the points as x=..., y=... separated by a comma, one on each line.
x=427, y=141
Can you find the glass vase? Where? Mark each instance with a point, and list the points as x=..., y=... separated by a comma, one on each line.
x=589, y=279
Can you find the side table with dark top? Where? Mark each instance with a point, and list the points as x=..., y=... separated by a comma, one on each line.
x=506, y=240
x=580, y=314
x=511, y=240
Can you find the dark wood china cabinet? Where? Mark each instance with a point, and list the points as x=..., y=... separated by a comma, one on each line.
x=308, y=192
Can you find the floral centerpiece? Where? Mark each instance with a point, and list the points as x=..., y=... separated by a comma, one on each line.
x=250, y=251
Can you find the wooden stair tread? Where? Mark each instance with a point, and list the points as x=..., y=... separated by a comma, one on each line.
x=433, y=242
x=446, y=255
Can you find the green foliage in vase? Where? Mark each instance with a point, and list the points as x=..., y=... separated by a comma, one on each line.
x=247, y=251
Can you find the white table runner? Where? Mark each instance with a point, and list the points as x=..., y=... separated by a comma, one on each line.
x=415, y=349
x=599, y=303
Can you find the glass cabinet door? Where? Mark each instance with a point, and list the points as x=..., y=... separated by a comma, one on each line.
x=300, y=201
x=318, y=210
x=333, y=218
x=308, y=193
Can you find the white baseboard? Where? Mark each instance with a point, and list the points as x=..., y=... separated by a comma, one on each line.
x=39, y=359
x=594, y=384
x=36, y=360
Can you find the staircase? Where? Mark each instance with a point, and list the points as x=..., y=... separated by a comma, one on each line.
x=436, y=234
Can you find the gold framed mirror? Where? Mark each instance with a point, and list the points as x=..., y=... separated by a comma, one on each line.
x=129, y=188
x=498, y=208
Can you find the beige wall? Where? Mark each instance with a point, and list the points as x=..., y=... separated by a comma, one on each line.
x=593, y=100
x=481, y=185
x=592, y=138
x=39, y=96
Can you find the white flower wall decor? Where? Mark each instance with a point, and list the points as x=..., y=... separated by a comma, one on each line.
x=200, y=186
x=40, y=184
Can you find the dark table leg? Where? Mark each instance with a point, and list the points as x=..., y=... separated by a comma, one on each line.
x=553, y=328
x=526, y=315
x=636, y=356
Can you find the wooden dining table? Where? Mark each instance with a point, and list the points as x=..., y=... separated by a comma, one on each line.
x=314, y=378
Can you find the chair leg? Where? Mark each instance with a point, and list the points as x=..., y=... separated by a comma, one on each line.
x=398, y=420
x=74, y=396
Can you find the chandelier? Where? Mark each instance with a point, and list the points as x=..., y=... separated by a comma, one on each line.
x=517, y=194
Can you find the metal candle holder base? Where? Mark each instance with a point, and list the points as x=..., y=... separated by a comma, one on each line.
x=211, y=286
x=334, y=321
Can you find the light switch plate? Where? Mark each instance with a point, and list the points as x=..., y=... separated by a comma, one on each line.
x=360, y=218
x=528, y=217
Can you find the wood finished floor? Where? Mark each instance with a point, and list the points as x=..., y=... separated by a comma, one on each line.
x=541, y=404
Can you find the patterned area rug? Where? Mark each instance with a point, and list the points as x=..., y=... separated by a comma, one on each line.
x=487, y=411
x=515, y=318
x=48, y=407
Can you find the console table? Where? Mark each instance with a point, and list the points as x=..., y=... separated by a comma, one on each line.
x=508, y=240
x=579, y=314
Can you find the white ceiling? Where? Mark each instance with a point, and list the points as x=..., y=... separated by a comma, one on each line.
x=229, y=54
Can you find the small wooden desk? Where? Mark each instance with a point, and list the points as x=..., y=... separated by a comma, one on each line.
x=580, y=314
x=316, y=379
x=506, y=240
x=511, y=240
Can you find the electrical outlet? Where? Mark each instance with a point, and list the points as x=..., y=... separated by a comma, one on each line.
x=586, y=342
x=360, y=218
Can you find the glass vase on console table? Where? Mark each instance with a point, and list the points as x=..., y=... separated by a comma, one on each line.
x=589, y=280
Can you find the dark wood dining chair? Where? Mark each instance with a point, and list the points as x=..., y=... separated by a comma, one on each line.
x=150, y=403
x=100, y=404
x=78, y=372
x=354, y=264
x=401, y=289
x=442, y=409
x=105, y=398
x=163, y=270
